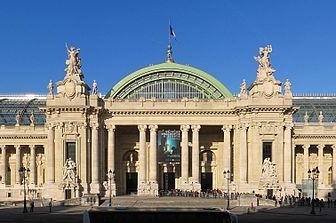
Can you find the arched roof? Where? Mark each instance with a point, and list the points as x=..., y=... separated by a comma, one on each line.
x=199, y=80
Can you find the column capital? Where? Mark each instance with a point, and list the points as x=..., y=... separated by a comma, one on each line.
x=32, y=146
x=153, y=128
x=320, y=146
x=306, y=146
x=142, y=127
x=94, y=125
x=184, y=128
x=195, y=127
x=17, y=146
x=333, y=146
x=288, y=125
x=243, y=126
x=50, y=125
x=110, y=127
x=227, y=128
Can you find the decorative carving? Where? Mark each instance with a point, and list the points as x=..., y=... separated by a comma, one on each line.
x=265, y=71
x=306, y=118
x=94, y=88
x=32, y=119
x=320, y=118
x=70, y=89
x=269, y=178
x=243, y=92
x=73, y=62
x=70, y=177
x=51, y=88
x=288, y=89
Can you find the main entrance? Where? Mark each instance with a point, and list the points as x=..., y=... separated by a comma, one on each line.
x=206, y=181
x=168, y=181
x=131, y=182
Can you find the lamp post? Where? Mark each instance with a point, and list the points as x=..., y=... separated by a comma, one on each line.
x=313, y=175
x=111, y=175
x=227, y=176
x=24, y=173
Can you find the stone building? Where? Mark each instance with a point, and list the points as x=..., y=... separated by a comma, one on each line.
x=166, y=126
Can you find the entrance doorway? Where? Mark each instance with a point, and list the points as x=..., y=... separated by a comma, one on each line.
x=206, y=181
x=67, y=193
x=269, y=193
x=131, y=182
x=168, y=181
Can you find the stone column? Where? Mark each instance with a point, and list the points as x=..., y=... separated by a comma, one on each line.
x=305, y=160
x=243, y=154
x=95, y=186
x=227, y=147
x=18, y=165
x=32, y=165
x=4, y=166
x=184, y=153
x=111, y=148
x=142, y=153
x=153, y=154
x=334, y=164
x=195, y=154
x=287, y=164
x=320, y=163
x=51, y=155
x=153, y=161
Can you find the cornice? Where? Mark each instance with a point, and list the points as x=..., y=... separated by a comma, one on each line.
x=171, y=112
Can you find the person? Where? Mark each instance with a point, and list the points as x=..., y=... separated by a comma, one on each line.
x=32, y=206
x=50, y=205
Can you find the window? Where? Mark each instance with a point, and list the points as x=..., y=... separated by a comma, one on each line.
x=330, y=179
x=267, y=151
x=9, y=194
x=70, y=151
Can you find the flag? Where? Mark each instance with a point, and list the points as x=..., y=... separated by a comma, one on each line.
x=171, y=32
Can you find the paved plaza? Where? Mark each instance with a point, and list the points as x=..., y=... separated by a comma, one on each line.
x=263, y=214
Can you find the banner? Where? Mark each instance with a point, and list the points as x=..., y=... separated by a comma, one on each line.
x=169, y=146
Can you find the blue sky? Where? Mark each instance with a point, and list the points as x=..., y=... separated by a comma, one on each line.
x=118, y=37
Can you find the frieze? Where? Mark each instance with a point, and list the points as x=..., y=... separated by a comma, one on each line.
x=23, y=137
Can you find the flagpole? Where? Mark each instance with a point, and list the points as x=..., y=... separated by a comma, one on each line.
x=169, y=38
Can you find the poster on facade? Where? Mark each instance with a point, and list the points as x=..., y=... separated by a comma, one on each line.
x=169, y=146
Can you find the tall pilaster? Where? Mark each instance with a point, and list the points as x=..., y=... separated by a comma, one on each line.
x=195, y=155
x=243, y=154
x=334, y=164
x=227, y=147
x=305, y=160
x=287, y=160
x=32, y=165
x=153, y=154
x=320, y=163
x=153, y=161
x=184, y=153
x=4, y=164
x=51, y=155
x=17, y=164
x=95, y=186
x=142, y=153
x=111, y=148
x=111, y=156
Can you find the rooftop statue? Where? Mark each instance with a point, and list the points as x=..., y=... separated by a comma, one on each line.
x=264, y=70
x=73, y=62
x=288, y=89
x=94, y=87
x=51, y=88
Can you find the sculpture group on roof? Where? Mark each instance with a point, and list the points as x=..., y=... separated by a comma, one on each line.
x=73, y=62
x=264, y=69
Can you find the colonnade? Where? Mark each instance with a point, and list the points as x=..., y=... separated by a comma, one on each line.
x=18, y=163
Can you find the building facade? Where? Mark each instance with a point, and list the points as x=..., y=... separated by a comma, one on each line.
x=166, y=126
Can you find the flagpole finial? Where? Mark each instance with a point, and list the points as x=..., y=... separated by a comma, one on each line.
x=169, y=57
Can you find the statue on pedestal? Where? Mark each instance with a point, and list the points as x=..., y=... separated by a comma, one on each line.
x=51, y=88
x=243, y=92
x=264, y=70
x=94, y=88
x=73, y=62
x=288, y=89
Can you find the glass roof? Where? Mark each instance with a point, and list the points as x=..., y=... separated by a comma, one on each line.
x=313, y=105
x=10, y=106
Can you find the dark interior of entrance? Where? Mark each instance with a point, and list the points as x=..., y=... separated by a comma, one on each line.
x=131, y=182
x=206, y=181
x=168, y=181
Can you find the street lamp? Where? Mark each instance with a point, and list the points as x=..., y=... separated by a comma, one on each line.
x=313, y=175
x=24, y=173
x=227, y=176
x=111, y=175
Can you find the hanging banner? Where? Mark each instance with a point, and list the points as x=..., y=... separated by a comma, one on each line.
x=169, y=146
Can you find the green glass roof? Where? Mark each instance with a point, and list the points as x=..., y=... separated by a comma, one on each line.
x=193, y=76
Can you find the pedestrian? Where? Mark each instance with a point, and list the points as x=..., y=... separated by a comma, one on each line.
x=50, y=205
x=32, y=206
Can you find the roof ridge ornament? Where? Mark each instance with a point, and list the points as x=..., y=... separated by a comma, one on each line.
x=169, y=57
x=73, y=63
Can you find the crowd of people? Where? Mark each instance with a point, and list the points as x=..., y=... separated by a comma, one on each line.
x=215, y=193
